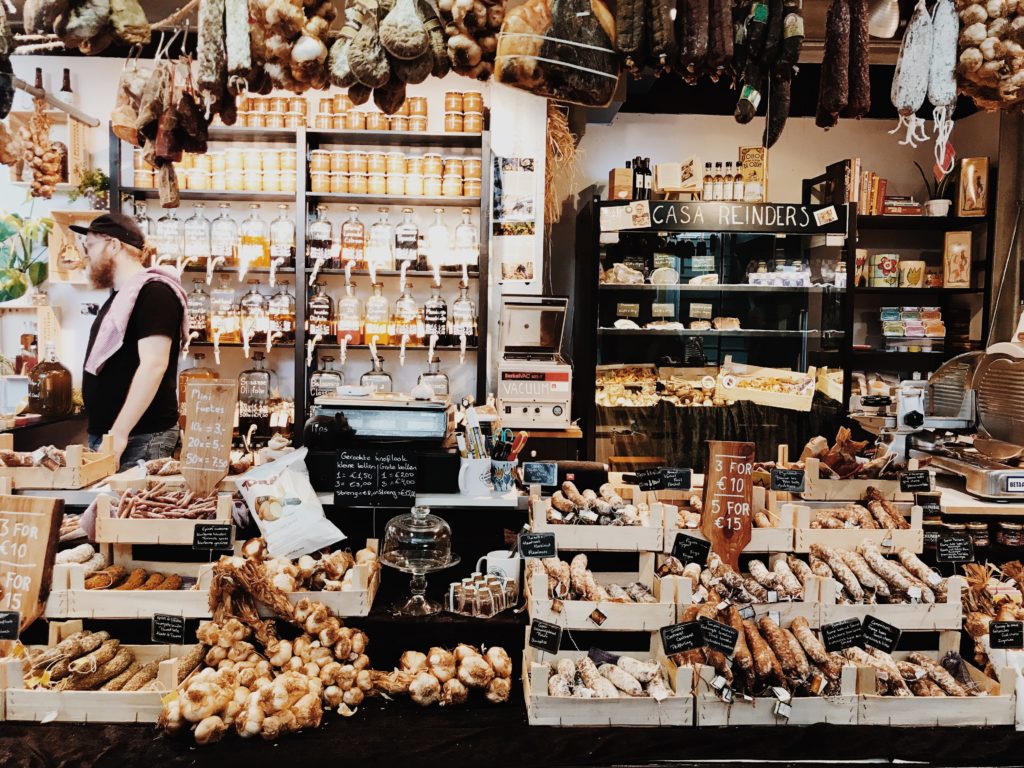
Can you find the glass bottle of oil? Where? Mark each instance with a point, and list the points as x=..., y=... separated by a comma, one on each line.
x=353, y=240
x=378, y=317
x=199, y=312
x=224, y=237
x=407, y=319
x=224, y=314
x=376, y=379
x=253, y=313
x=254, y=400
x=254, y=250
x=350, y=317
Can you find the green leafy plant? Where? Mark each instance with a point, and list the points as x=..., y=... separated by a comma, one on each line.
x=937, y=190
x=93, y=180
x=22, y=253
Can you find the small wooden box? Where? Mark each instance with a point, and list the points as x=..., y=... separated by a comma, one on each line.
x=917, y=616
x=854, y=489
x=124, y=530
x=850, y=538
x=83, y=467
x=602, y=538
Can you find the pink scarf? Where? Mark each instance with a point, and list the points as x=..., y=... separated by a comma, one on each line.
x=110, y=335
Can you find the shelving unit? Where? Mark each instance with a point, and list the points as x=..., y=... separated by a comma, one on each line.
x=304, y=201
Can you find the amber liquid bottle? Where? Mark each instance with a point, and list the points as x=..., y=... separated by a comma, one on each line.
x=49, y=389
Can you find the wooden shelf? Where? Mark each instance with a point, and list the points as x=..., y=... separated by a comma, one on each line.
x=396, y=138
x=473, y=275
x=433, y=202
x=901, y=361
x=223, y=133
x=743, y=332
x=219, y=196
x=396, y=347
x=919, y=223
x=923, y=292
x=743, y=288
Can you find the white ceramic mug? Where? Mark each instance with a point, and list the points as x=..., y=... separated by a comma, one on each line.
x=475, y=477
x=501, y=564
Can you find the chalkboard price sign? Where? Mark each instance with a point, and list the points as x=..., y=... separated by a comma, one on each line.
x=689, y=549
x=677, y=638
x=545, y=636
x=789, y=480
x=1006, y=634
x=650, y=479
x=677, y=478
x=206, y=444
x=719, y=636
x=211, y=536
x=841, y=634
x=880, y=634
x=10, y=625
x=915, y=480
x=537, y=545
x=954, y=548
x=540, y=473
x=168, y=629
x=371, y=477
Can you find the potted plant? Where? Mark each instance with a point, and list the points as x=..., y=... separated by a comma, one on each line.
x=938, y=201
x=23, y=263
x=95, y=187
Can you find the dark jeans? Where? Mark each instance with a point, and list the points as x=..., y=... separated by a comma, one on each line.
x=143, y=447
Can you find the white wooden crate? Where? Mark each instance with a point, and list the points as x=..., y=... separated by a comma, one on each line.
x=816, y=489
x=123, y=530
x=89, y=706
x=600, y=538
x=917, y=616
x=777, y=539
x=806, y=710
x=997, y=707
x=849, y=538
x=641, y=617
x=542, y=709
x=350, y=602
x=731, y=372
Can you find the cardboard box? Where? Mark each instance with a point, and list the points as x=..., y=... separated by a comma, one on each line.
x=753, y=162
x=620, y=184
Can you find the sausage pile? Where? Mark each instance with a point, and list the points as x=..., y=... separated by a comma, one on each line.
x=574, y=581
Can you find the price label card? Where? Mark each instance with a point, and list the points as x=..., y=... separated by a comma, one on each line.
x=540, y=473
x=10, y=625
x=930, y=503
x=719, y=636
x=663, y=310
x=537, y=545
x=545, y=636
x=168, y=629
x=728, y=490
x=789, y=480
x=677, y=478
x=880, y=634
x=211, y=536
x=1006, y=634
x=677, y=638
x=688, y=549
x=915, y=480
x=627, y=310
x=841, y=634
x=376, y=477
x=650, y=479
x=954, y=548
x=701, y=311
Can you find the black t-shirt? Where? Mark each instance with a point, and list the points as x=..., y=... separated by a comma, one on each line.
x=157, y=312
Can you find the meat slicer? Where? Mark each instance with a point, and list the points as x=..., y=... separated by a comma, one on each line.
x=968, y=418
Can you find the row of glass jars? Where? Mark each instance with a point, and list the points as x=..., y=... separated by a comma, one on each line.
x=385, y=245
x=220, y=316
x=326, y=380
x=340, y=103
x=384, y=323
x=430, y=164
x=369, y=121
x=397, y=184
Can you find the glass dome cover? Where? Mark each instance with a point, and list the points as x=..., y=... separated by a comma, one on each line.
x=417, y=541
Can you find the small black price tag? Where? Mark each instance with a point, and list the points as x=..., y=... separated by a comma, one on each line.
x=915, y=480
x=677, y=478
x=930, y=503
x=677, y=638
x=10, y=625
x=880, y=634
x=841, y=634
x=954, y=548
x=789, y=480
x=540, y=473
x=688, y=549
x=650, y=479
x=537, y=545
x=719, y=636
x=545, y=636
x=1006, y=634
x=168, y=629
x=211, y=536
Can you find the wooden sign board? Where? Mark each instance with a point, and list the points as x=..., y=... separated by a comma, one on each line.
x=728, y=490
x=206, y=447
x=29, y=530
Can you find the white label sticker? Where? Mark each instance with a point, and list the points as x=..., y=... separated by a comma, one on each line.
x=1015, y=484
x=934, y=579
x=914, y=593
x=773, y=596
x=826, y=216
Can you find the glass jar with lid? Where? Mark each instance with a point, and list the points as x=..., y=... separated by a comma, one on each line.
x=376, y=379
x=253, y=311
x=407, y=238
x=434, y=378
x=378, y=316
x=198, y=304
x=49, y=386
x=254, y=245
x=197, y=238
x=197, y=373
x=281, y=314
x=350, y=317
x=321, y=313
x=320, y=252
x=380, y=248
x=325, y=380
x=224, y=238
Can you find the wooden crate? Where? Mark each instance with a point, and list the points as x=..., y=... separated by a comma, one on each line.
x=733, y=371
x=997, y=707
x=349, y=602
x=917, y=616
x=600, y=538
x=124, y=530
x=849, y=538
x=816, y=489
x=542, y=709
x=135, y=478
x=640, y=617
x=89, y=706
x=760, y=710
x=786, y=610
x=777, y=539
x=83, y=467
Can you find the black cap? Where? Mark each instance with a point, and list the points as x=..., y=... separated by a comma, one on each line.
x=115, y=225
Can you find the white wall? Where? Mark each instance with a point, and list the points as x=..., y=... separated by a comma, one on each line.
x=518, y=129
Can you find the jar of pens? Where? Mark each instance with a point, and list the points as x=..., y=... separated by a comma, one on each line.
x=488, y=463
x=505, y=458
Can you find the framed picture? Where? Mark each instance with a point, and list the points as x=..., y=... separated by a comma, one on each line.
x=972, y=191
x=956, y=260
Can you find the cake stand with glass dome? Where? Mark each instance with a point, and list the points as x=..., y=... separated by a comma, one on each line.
x=418, y=543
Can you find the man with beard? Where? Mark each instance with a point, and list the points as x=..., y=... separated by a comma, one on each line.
x=129, y=382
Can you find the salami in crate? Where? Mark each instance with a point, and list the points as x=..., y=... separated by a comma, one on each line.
x=634, y=688
x=572, y=596
x=159, y=515
x=772, y=531
x=89, y=677
x=820, y=485
x=619, y=519
x=53, y=468
x=891, y=525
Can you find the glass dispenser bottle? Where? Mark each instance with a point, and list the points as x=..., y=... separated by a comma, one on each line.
x=353, y=240
x=376, y=379
x=438, y=242
x=380, y=248
x=254, y=249
x=321, y=313
x=142, y=218
x=224, y=314
x=197, y=238
x=320, y=242
x=407, y=238
x=350, y=318
x=378, y=315
x=434, y=379
x=467, y=241
x=169, y=235
x=198, y=372
x=407, y=319
x=253, y=311
x=326, y=380
x=49, y=387
x=282, y=239
x=281, y=313
x=435, y=317
x=464, y=317
x=254, y=400
x=199, y=312
x=224, y=239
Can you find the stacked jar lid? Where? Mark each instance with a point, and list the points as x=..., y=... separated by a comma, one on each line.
x=272, y=111
x=463, y=112
x=339, y=114
x=393, y=173
x=235, y=169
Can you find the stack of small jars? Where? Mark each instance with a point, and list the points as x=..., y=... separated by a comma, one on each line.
x=339, y=114
x=393, y=173
x=271, y=111
x=235, y=169
x=463, y=112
